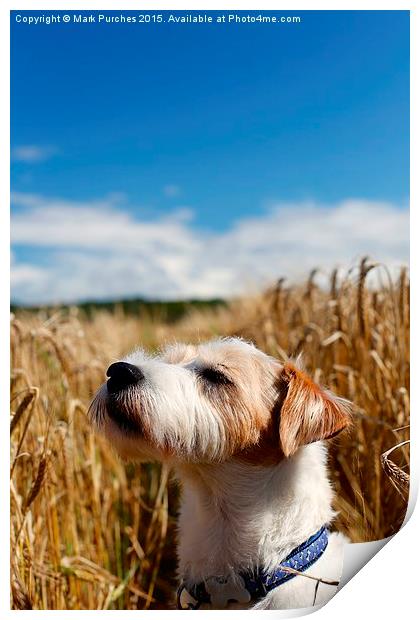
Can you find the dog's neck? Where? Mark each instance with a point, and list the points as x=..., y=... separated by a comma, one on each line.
x=237, y=515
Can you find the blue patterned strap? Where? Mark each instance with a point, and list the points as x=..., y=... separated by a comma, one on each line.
x=300, y=559
x=257, y=583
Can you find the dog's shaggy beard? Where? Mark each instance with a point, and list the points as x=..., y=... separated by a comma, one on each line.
x=117, y=419
x=154, y=421
x=120, y=408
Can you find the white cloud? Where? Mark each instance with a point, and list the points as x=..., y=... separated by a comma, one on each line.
x=99, y=250
x=32, y=154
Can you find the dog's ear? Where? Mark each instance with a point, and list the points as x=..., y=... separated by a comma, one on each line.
x=308, y=412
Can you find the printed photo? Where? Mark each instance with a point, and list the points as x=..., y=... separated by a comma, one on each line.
x=210, y=304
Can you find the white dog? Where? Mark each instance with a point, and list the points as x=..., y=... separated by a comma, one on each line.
x=244, y=434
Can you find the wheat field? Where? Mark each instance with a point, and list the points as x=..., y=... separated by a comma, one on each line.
x=89, y=532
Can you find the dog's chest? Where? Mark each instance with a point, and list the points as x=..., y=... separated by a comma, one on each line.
x=212, y=540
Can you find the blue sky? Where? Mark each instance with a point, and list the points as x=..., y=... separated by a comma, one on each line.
x=203, y=132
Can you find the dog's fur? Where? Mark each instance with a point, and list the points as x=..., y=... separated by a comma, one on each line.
x=244, y=434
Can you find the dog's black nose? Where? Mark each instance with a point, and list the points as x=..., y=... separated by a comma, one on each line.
x=121, y=375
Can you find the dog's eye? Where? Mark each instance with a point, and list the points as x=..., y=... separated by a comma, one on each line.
x=212, y=375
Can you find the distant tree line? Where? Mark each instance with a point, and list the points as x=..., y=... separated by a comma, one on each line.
x=166, y=311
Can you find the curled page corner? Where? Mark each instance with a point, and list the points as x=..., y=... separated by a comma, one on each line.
x=356, y=555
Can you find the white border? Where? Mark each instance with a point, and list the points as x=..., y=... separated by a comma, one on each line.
x=387, y=586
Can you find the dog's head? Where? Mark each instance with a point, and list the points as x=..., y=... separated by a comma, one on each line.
x=212, y=402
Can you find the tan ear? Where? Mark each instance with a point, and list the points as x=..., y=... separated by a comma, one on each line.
x=308, y=412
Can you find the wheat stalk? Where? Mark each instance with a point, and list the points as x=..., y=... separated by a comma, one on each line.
x=399, y=478
x=37, y=484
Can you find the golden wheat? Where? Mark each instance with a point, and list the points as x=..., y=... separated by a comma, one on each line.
x=91, y=533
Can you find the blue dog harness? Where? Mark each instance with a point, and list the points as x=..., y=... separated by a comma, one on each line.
x=255, y=584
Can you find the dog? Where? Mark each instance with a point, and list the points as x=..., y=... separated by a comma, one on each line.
x=244, y=434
